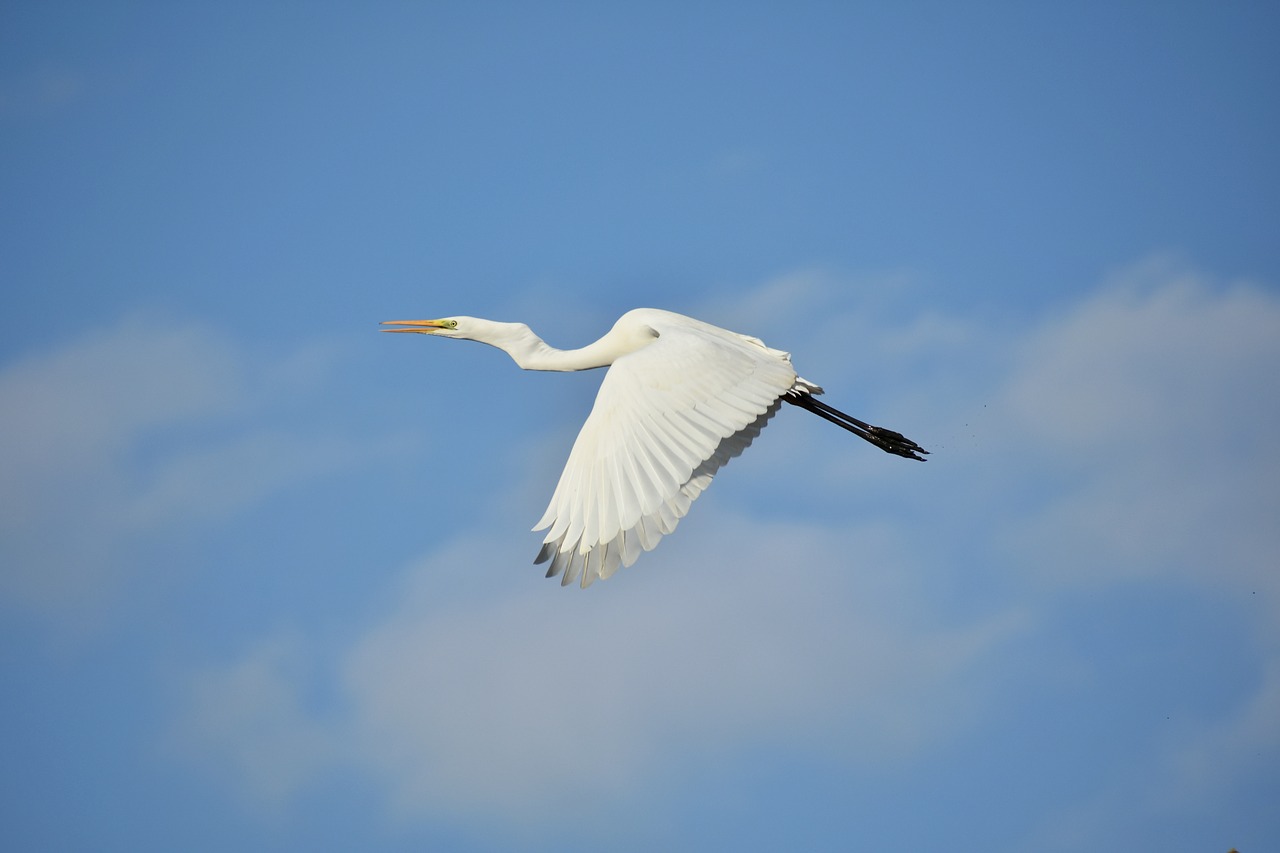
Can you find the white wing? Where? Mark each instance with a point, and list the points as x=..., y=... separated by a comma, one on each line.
x=667, y=417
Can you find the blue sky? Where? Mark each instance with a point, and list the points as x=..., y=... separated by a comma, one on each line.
x=265, y=575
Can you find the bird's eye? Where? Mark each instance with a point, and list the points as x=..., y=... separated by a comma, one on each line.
x=452, y=324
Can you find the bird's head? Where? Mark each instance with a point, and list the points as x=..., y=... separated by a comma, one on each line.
x=510, y=337
x=449, y=327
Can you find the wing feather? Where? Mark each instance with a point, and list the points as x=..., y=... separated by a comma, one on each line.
x=666, y=419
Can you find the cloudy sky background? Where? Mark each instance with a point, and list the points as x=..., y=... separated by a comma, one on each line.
x=265, y=575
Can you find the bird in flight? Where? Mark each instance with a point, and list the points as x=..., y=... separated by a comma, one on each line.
x=680, y=399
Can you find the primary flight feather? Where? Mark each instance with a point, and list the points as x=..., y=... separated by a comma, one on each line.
x=680, y=399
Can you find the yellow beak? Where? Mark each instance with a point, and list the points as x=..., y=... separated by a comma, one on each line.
x=422, y=327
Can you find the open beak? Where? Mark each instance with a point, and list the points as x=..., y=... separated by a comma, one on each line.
x=422, y=327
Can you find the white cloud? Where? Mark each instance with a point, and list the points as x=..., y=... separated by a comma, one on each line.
x=82, y=404
x=1148, y=406
x=1198, y=772
x=514, y=710
x=41, y=89
x=119, y=438
x=212, y=483
x=1134, y=427
x=1203, y=770
x=51, y=87
x=735, y=162
x=248, y=721
x=1171, y=362
x=525, y=706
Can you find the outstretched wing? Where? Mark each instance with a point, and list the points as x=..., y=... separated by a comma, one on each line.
x=667, y=417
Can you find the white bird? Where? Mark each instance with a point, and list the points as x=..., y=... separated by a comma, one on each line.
x=680, y=399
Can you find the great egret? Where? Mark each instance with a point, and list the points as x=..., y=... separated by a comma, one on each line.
x=681, y=398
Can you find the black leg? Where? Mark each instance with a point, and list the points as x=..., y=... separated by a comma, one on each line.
x=885, y=439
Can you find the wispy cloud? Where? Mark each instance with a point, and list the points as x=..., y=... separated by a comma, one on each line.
x=526, y=706
x=53, y=86
x=41, y=89
x=250, y=721
x=119, y=438
x=1153, y=387
x=737, y=161
x=513, y=710
x=1206, y=766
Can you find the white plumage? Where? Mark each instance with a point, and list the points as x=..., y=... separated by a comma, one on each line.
x=681, y=398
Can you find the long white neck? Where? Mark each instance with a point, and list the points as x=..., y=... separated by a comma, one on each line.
x=531, y=352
